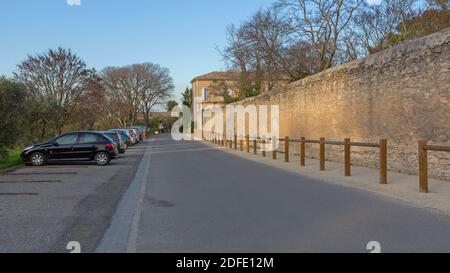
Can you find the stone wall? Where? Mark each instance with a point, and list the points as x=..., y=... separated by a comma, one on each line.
x=402, y=94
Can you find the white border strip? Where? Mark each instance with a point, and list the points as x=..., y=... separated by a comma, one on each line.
x=122, y=234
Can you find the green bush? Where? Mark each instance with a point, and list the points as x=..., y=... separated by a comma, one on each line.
x=12, y=159
x=13, y=115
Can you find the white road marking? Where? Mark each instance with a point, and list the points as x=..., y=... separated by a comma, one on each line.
x=134, y=231
x=121, y=236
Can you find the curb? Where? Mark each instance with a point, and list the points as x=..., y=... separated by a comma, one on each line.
x=11, y=169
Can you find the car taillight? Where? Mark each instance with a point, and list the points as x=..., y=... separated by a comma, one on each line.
x=109, y=146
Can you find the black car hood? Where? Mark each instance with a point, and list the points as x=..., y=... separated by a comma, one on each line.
x=39, y=144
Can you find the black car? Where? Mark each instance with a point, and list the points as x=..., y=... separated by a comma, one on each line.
x=75, y=146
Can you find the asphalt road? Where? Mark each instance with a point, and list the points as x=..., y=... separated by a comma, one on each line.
x=199, y=199
x=167, y=196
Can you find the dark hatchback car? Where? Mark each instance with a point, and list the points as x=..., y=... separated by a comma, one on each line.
x=75, y=146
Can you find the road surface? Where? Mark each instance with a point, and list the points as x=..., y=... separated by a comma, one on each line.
x=168, y=196
x=198, y=198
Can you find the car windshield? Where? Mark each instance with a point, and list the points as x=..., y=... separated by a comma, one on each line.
x=109, y=139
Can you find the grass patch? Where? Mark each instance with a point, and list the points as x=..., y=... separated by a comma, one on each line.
x=13, y=159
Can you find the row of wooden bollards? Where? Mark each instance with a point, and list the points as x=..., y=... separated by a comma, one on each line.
x=347, y=143
x=322, y=142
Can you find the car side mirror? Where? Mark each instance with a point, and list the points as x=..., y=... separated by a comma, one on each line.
x=56, y=144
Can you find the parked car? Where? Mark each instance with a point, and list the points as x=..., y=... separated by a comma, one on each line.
x=75, y=146
x=140, y=132
x=117, y=139
x=134, y=136
x=125, y=135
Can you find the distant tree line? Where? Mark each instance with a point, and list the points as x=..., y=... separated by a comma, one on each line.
x=299, y=38
x=55, y=92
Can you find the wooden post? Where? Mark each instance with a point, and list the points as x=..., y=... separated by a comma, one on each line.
x=255, y=146
x=423, y=166
x=383, y=161
x=263, y=148
x=286, y=149
x=302, y=152
x=274, y=148
x=247, y=143
x=242, y=144
x=347, y=157
x=235, y=142
x=322, y=154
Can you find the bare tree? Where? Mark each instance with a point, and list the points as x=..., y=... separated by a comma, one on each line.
x=121, y=96
x=254, y=49
x=238, y=53
x=403, y=10
x=298, y=38
x=57, y=79
x=295, y=38
x=135, y=89
x=92, y=107
x=158, y=88
x=280, y=52
x=320, y=23
x=374, y=25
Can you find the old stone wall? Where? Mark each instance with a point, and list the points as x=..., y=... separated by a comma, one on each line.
x=402, y=94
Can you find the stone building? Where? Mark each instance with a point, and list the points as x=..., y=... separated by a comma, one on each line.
x=210, y=90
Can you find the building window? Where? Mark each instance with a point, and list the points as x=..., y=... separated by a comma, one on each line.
x=205, y=94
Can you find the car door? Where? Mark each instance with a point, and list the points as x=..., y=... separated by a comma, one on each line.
x=64, y=147
x=88, y=145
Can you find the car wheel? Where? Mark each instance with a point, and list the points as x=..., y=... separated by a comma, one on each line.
x=38, y=159
x=102, y=159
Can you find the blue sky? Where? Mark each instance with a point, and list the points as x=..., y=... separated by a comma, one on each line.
x=179, y=34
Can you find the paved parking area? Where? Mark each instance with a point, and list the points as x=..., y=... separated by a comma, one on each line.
x=42, y=209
